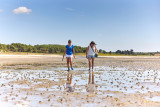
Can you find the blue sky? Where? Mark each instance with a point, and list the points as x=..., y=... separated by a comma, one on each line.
x=112, y=24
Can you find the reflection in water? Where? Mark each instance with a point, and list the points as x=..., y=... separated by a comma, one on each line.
x=91, y=86
x=1, y=64
x=43, y=88
x=69, y=84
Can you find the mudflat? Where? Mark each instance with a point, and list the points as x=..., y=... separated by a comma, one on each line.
x=43, y=81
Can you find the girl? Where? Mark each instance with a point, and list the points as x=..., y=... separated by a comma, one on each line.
x=90, y=54
x=70, y=52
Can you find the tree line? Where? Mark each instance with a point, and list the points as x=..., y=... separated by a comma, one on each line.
x=53, y=48
x=126, y=52
x=49, y=48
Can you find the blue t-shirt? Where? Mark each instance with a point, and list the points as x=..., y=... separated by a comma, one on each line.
x=69, y=50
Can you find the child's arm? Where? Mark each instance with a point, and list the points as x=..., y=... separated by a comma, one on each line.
x=87, y=52
x=96, y=50
x=64, y=53
x=73, y=52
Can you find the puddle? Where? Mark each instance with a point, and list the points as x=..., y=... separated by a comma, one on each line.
x=156, y=98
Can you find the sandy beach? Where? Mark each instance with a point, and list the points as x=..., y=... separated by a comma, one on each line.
x=116, y=81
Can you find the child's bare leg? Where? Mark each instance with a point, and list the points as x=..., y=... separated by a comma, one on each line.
x=89, y=61
x=68, y=62
x=71, y=62
x=92, y=63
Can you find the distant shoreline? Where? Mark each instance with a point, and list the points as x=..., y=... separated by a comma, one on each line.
x=60, y=55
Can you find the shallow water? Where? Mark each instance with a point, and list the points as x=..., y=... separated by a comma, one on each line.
x=156, y=98
x=49, y=87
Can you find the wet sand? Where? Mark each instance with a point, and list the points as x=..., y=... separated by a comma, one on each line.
x=42, y=81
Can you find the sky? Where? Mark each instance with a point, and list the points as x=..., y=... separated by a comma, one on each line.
x=112, y=24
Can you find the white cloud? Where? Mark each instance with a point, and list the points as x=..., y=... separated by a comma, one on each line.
x=70, y=9
x=1, y=10
x=21, y=10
